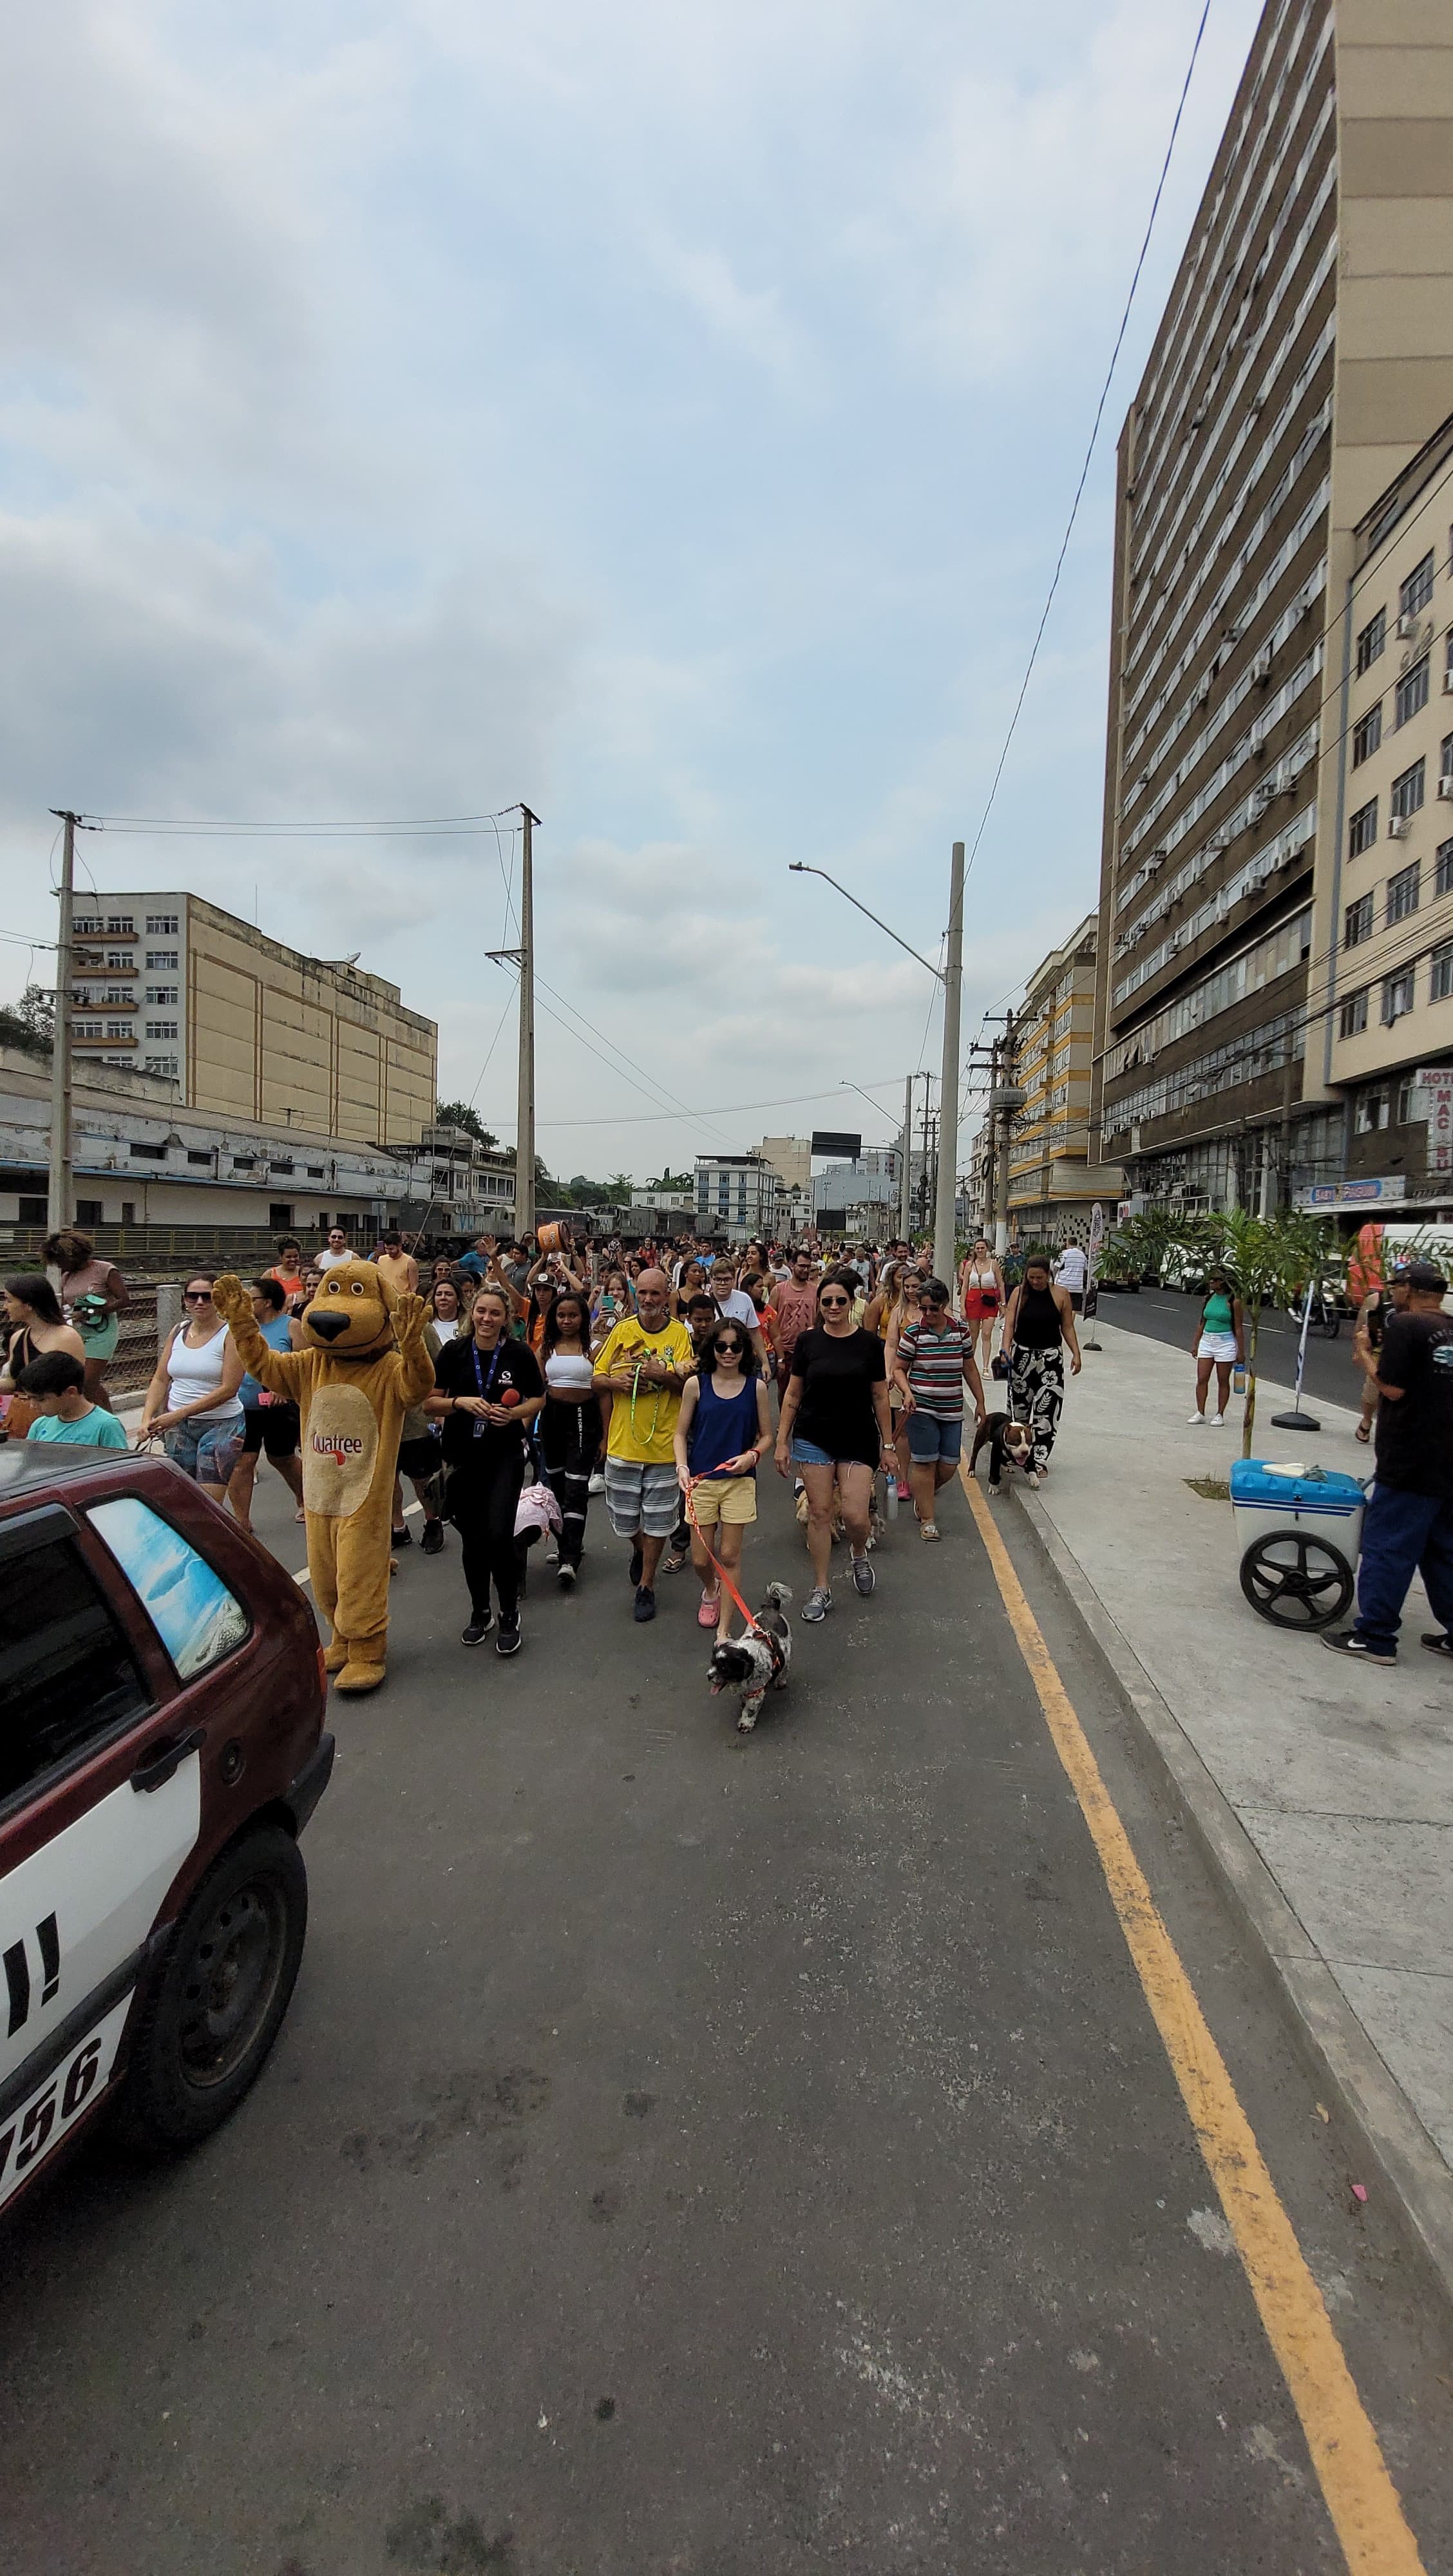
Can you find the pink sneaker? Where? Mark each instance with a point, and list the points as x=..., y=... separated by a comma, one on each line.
x=902, y=1491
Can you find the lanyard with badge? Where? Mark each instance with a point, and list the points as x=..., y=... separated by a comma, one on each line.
x=485, y=1384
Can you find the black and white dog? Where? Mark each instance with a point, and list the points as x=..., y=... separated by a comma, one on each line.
x=1009, y=1444
x=757, y=1662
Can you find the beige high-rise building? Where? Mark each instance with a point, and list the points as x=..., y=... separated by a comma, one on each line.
x=1053, y=1184
x=1305, y=354
x=249, y=1028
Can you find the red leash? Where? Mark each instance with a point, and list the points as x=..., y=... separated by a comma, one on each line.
x=722, y=1575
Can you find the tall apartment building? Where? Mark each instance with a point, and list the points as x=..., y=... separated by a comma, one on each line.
x=1305, y=354
x=1053, y=1182
x=740, y=1196
x=247, y=1027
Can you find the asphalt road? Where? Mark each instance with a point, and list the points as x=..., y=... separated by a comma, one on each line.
x=689, y=2156
x=1168, y=1315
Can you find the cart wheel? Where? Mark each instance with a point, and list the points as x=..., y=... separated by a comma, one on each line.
x=1297, y=1580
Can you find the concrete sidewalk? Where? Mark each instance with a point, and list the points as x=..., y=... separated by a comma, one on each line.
x=1323, y=1791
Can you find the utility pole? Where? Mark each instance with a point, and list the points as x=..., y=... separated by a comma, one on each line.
x=905, y=1174
x=927, y=1081
x=525, y=1117
x=946, y=1211
x=59, y=1206
x=1004, y=1099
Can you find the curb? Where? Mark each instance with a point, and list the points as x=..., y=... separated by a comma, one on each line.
x=1332, y=2042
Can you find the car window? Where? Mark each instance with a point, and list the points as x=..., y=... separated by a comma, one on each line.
x=67, y=1675
x=197, y=1618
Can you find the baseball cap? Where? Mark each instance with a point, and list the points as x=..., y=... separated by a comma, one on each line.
x=1425, y=1275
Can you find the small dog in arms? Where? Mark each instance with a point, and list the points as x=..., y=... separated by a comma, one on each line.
x=757, y=1662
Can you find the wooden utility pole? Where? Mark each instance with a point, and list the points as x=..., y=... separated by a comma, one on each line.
x=60, y=1205
x=525, y=1122
x=905, y=1175
x=946, y=1197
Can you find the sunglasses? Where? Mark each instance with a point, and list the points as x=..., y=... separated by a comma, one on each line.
x=832, y=1301
x=196, y=1296
x=728, y=1350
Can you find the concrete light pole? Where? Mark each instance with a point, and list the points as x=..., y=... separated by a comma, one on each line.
x=59, y=1207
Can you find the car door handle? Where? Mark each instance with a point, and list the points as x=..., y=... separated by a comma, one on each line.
x=159, y=1763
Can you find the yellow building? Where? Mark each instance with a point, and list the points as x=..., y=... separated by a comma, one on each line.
x=248, y=1028
x=1052, y=1182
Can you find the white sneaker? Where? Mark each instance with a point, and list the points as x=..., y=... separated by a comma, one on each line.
x=1196, y=1420
x=1218, y=1421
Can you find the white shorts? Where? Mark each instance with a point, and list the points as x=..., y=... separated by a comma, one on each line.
x=1216, y=1346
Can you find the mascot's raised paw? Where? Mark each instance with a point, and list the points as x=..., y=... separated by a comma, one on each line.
x=231, y=1299
x=408, y=1316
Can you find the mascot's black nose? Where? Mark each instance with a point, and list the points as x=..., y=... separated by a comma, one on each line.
x=327, y=1327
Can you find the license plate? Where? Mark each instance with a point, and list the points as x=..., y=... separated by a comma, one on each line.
x=32, y=2132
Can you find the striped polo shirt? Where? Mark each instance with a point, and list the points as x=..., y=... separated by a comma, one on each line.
x=933, y=1363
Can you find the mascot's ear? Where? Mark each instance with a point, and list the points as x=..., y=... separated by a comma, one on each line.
x=387, y=1291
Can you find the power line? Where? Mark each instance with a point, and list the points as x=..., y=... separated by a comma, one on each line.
x=1093, y=440
x=224, y=829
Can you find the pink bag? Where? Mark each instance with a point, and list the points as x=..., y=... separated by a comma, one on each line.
x=537, y=1509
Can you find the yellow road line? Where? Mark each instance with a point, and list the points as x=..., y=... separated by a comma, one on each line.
x=1364, y=2504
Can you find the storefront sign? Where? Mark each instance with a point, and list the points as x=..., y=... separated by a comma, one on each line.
x=1435, y=1082
x=1355, y=1194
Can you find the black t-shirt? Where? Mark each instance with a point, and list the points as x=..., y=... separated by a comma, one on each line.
x=839, y=1372
x=512, y=1364
x=1415, y=1435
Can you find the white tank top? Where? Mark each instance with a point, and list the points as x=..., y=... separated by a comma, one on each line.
x=980, y=1279
x=191, y=1373
x=570, y=1373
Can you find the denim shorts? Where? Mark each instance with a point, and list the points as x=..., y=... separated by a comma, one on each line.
x=806, y=1453
x=206, y=1451
x=930, y=1437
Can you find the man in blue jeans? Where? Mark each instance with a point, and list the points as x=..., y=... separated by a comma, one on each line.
x=1408, y=1528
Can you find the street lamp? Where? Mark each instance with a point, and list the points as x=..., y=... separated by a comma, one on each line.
x=951, y=977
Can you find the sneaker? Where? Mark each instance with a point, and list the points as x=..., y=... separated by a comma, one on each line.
x=1197, y=1421
x=552, y=1551
x=508, y=1640
x=1218, y=1422
x=929, y=1529
x=1439, y=1645
x=596, y=1482
x=480, y=1624
x=637, y=1561
x=567, y=1577
x=401, y=1538
x=1346, y=1641
x=864, y=1577
x=904, y=1491
x=432, y=1542
x=816, y=1606
x=645, y=1604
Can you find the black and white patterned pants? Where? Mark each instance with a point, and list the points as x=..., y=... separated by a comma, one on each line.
x=570, y=1437
x=1037, y=1394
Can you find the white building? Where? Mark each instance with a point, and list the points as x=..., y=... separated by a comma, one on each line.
x=741, y=1196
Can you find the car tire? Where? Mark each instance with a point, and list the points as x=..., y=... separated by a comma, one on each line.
x=218, y=2001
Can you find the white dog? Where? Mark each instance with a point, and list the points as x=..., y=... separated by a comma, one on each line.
x=757, y=1662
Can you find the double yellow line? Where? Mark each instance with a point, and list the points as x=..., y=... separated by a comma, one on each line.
x=1364, y=2505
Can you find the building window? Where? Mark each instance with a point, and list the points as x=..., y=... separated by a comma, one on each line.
x=148, y=1153
x=1371, y=1112
x=1357, y=921
x=162, y=925
x=86, y=925
x=1397, y=996
x=1440, y=979
x=1402, y=1114
x=1352, y=1018
x=87, y=1029
x=1366, y=735
x=1371, y=640
x=167, y=1064
x=1362, y=830
x=118, y=957
x=170, y=993
x=1411, y=693
x=162, y=961
x=1408, y=790
x=1443, y=876
x=1402, y=894
x=117, y=1029
x=88, y=1212
x=120, y=922
x=161, y=1028
x=1417, y=590
x=32, y=1212
x=196, y=1154
x=280, y=1212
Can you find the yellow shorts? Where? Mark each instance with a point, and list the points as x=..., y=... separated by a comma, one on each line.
x=725, y=1498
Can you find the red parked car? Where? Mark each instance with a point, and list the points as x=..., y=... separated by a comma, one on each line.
x=161, y=1749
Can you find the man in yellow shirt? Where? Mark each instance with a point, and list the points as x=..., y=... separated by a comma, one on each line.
x=640, y=1375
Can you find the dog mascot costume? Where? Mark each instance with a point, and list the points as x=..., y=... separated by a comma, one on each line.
x=362, y=1364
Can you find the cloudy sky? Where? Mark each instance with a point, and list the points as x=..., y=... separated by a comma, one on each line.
x=664, y=415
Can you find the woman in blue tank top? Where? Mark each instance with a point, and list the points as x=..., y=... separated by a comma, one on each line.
x=722, y=1433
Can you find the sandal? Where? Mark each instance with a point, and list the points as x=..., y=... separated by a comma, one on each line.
x=710, y=1610
x=1363, y=1433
